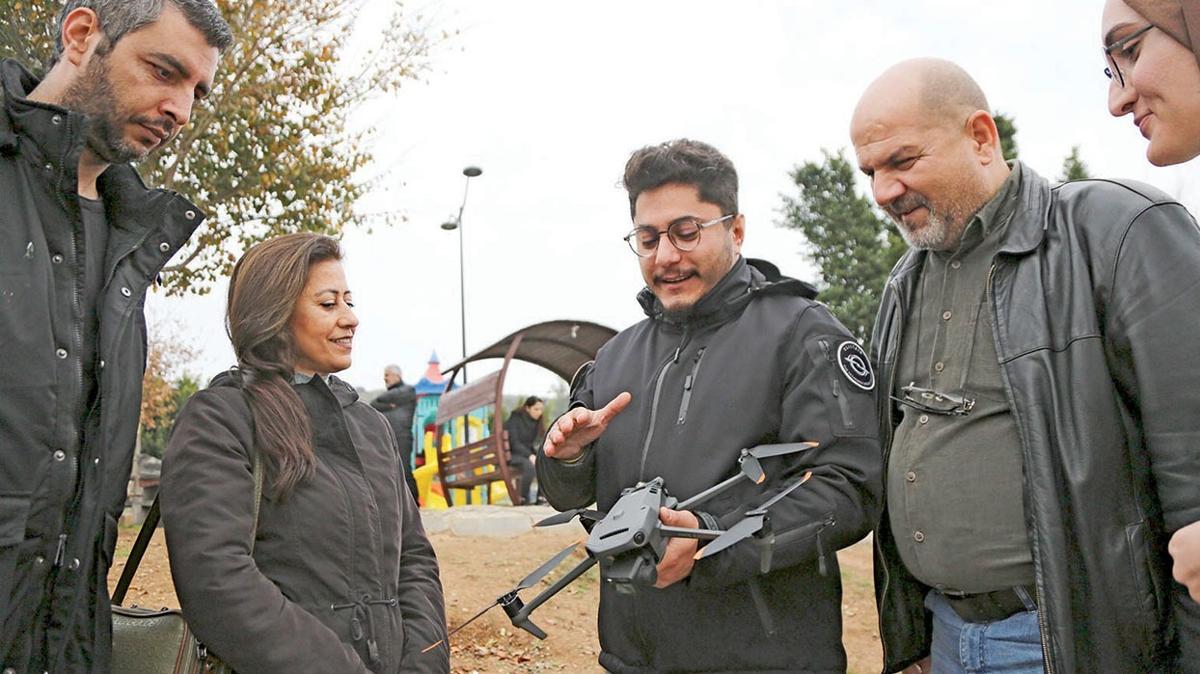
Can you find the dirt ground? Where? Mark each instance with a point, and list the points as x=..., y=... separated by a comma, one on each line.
x=474, y=572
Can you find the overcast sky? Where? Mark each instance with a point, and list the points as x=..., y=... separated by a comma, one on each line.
x=550, y=97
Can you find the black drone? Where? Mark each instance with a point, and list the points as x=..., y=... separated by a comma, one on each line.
x=629, y=541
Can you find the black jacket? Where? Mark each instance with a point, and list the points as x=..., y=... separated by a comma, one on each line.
x=1095, y=299
x=523, y=432
x=62, y=486
x=343, y=578
x=754, y=363
x=398, y=404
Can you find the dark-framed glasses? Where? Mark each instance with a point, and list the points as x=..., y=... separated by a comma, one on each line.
x=934, y=402
x=684, y=234
x=1120, y=55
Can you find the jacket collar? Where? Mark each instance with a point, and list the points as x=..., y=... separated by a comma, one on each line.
x=729, y=296
x=342, y=392
x=1023, y=235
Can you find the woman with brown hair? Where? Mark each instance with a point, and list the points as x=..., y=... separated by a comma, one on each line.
x=1153, y=52
x=336, y=574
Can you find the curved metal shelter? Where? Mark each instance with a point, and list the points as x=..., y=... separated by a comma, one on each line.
x=559, y=346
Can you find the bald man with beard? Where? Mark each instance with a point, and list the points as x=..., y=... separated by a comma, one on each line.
x=1036, y=349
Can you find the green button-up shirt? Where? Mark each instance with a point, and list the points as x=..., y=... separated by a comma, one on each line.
x=954, y=481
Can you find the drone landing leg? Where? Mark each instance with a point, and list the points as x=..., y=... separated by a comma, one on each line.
x=760, y=603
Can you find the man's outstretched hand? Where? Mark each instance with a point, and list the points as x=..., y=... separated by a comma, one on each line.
x=581, y=427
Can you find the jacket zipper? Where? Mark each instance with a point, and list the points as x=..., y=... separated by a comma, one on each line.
x=662, y=374
x=847, y=420
x=689, y=383
x=1043, y=626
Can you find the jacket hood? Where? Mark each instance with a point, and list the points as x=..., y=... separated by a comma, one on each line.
x=345, y=394
x=748, y=277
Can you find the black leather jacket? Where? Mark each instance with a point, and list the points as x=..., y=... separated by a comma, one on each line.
x=753, y=363
x=1095, y=299
x=60, y=496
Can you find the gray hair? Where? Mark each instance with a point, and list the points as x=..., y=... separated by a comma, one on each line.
x=120, y=17
x=392, y=369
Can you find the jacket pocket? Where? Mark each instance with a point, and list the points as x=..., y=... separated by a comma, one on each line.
x=14, y=511
x=24, y=329
x=1150, y=601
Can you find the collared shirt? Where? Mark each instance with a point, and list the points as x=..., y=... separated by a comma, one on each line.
x=300, y=378
x=954, y=482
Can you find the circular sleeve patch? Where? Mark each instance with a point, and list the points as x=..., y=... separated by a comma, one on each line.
x=855, y=365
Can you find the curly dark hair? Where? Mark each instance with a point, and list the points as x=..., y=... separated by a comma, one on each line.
x=687, y=162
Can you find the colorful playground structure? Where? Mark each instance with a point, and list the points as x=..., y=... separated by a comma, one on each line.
x=459, y=452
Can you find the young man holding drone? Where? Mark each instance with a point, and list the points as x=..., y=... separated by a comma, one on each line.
x=731, y=355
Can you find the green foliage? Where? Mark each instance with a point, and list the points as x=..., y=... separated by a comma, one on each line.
x=270, y=150
x=1073, y=167
x=155, y=434
x=853, y=246
x=1007, y=129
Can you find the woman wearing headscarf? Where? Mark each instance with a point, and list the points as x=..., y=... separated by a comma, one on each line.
x=336, y=574
x=1152, y=49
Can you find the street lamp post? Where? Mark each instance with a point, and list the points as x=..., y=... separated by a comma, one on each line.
x=457, y=223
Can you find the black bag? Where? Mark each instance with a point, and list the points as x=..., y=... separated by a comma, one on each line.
x=148, y=641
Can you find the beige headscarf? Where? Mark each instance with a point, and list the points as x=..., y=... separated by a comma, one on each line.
x=1178, y=18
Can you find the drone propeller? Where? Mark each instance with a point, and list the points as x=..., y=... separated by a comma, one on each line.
x=756, y=521
x=751, y=467
x=568, y=515
x=511, y=603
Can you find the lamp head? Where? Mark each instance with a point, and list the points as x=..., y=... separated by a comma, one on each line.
x=472, y=171
x=450, y=225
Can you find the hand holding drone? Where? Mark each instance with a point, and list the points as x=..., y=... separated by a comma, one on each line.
x=630, y=540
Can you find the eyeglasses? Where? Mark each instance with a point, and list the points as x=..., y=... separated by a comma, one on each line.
x=932, y=402
x=1120, y=54
x=684, y=234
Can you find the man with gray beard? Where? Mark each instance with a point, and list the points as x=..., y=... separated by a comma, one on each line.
x=1036, y=350
x=81, y=239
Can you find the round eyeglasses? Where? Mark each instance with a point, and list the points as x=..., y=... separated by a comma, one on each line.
x=1120, y=54
x=684, y=234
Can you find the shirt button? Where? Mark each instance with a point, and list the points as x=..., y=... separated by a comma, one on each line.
x=59, y=455
x=946, y=315
x=910, y=476
x=48, y=166
x=96, y=461
x=61, y=353
x=924, y=418
x=57, y=258
x=39, y=560
x=56, y=120
x=164, y=246
x=939, y=366
x=955, y=264
x=73, y=564
x=126, y=292
x=190, y=215
x=919, y=536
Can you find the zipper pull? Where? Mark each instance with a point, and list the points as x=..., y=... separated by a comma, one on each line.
x=822, y=567
x=61, y=551
x=675, y=358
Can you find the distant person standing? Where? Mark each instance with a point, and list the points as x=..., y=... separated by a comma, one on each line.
x=525, y=428
x=398, y=403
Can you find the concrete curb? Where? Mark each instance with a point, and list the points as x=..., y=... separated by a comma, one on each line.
x=495, y=521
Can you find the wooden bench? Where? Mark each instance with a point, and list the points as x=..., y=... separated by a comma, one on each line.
x=483, y=460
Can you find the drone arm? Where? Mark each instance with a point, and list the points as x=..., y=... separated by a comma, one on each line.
x=710, y=492
x=522, y=616
x=684, y=532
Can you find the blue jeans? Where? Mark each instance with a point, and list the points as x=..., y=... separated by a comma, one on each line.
x=1011, y=646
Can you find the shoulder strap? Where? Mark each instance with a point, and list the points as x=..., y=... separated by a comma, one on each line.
x=151, y=523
